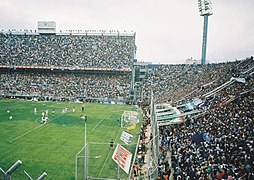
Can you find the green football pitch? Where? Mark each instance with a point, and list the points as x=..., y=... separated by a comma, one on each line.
x=52, y=147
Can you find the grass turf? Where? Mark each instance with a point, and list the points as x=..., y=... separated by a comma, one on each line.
x=52, y=147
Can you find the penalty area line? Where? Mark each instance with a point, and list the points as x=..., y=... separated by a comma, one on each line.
x=104, y=163
x=98, y=123
x=108, y=155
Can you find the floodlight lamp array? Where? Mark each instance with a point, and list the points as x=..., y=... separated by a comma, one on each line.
x=204, y=7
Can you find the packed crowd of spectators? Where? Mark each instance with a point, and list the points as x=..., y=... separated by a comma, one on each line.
x=90, y=51
x=226, y=147
x=175, y=82
x=65, y=85
x=229, y=151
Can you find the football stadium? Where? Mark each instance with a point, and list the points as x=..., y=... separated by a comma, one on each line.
x=78, y=105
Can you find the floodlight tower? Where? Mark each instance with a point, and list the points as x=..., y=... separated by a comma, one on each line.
x=205, y=10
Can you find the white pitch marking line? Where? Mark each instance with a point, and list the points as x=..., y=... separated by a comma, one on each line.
x=108, y=156
x=31, y=130
x=26, y=133
x=104, y=163
x=98, y=123
x=49, y=145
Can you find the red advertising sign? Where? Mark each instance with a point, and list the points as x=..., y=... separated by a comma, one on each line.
x=124, y=158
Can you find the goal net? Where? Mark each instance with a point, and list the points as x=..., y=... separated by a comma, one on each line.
x=95, y=162
x=81, y=164
x=129, y=119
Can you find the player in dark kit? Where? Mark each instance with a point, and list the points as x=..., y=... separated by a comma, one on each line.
x=111, y=144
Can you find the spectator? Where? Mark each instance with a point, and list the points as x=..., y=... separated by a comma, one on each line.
x=93, y=51
x=65, y=85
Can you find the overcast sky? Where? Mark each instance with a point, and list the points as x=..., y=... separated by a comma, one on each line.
x=167, y=31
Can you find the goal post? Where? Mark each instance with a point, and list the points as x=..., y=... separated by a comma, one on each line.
x=81, y=164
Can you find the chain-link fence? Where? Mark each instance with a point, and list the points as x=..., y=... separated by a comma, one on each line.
x=154, y=143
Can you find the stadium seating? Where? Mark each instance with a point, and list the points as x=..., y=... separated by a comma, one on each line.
x=68, y=86
x=227, y=151
x=174, y=82
x=67, y=51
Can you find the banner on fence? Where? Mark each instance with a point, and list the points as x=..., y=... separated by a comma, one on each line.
x=127, y=138
x=189, y=106
x=124, y=158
